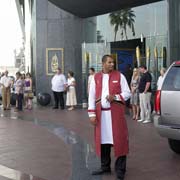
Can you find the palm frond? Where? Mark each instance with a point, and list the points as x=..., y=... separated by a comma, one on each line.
x=121, y=20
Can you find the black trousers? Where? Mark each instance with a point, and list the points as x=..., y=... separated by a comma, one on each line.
x=59, y=97
x=20, y=101
x=120, y=164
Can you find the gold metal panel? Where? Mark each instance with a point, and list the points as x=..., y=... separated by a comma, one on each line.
x=54, y=59
x=115, y=57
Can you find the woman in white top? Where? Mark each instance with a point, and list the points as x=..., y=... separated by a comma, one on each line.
x=71, y=91
x=160, y=79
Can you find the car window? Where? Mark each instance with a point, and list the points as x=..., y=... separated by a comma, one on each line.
x=172, y=80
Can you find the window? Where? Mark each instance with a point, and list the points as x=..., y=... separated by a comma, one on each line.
x=172, y=80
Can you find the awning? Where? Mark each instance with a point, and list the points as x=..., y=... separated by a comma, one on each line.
x=89, y=8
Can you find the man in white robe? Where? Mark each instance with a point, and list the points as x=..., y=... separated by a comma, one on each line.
x=106, y=128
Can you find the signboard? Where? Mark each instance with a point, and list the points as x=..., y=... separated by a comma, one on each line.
x=54, y=59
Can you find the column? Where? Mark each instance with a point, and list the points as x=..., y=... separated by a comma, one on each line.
x=173, y=31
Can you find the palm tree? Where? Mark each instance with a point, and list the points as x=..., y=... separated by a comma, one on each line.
x=122, y=20
x=115, y=21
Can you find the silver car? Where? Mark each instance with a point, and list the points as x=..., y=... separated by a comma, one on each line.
x=167, y=107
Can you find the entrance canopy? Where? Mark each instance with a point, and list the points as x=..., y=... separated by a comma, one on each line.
x=89, y=8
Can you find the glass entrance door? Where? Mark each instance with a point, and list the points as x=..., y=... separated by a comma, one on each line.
x=92, y=54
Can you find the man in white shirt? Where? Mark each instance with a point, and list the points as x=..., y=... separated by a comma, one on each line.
x=6, y=85
x=108, y=92
x=58, y=87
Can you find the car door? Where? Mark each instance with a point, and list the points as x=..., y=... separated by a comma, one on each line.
x=170, y=97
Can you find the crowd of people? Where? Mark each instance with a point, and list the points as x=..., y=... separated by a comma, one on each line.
x=138, y=79
x=20, y=87
x=141, y=90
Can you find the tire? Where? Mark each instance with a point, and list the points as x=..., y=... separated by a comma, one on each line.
x=174, y=145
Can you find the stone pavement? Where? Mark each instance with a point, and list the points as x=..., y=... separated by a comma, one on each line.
x=46, y=144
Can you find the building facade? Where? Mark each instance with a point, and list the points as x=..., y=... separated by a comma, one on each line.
x=56, y=38
x=59, y=38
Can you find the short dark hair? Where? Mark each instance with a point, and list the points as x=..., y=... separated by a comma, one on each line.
x=92, y=69
x=18, y=73
x=71, y=73
x=104, y=58
x=28, y=74
x=143, y=66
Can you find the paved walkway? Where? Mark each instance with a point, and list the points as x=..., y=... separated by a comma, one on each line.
x=46, y=144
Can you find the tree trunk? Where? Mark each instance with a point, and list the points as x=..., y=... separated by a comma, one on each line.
x=125, y=32
x=115, y=33
x=122, y=35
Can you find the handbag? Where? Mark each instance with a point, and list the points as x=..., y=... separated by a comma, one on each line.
x=30, y=95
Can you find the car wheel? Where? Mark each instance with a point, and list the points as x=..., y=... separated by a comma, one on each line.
x=174, y=145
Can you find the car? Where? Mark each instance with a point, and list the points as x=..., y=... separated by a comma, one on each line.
x=167, y=107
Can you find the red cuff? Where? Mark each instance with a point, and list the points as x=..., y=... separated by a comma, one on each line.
x=91, y=110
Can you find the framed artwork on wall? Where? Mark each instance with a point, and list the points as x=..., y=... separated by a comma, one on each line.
x=54, y=59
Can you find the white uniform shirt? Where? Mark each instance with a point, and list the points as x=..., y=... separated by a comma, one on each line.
x=90, y=78
x=89, y=81
x=6, y=81
x=58, y=83
x=106, y=120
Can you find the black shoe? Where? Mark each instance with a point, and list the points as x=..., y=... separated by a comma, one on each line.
x=55, y=107
x=120, y=177
x=101, y=171
x=62, y=108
